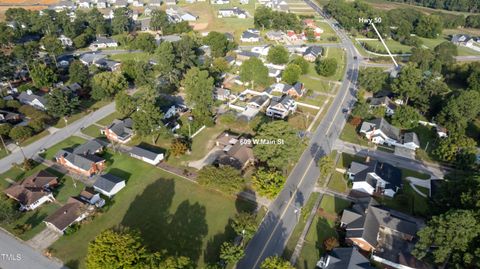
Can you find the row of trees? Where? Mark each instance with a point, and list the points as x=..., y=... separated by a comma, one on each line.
x=266, y=18
x=466, y=5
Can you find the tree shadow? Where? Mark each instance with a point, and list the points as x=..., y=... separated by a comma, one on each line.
x=212, y=251
x=244, y=205
x=120, y=173
x=35, y=219
x=72, y=264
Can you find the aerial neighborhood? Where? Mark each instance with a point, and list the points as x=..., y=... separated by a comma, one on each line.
x=252, y=134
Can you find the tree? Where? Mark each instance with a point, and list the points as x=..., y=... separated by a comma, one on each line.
x=13, y=104
x=78, y=73
x=147, y=120
x=178, y=147
x=165, y=56
x=276, y=262
x=145, y=42
x=326, y=165
x=245, y=224
x=185, y=56
x=460, y=110
x=291, y=74
x=175, y=263
x=5, y=129
x=231, y=253
x=42, y=75
x=457, y=148
x=285, y=148
x=8, y=211
x=62, y=103
x=124, y=104
x=278, y=55
x=226, y=179
x=302, y=63
x=406, y=117
x=474, y=80
x=361, y=110
x=268, y=183
x=139, y=72
x=407, y=85
x=330, y=243
x=37, y=125
x=422, y=57
x=6, y=34
x=446, y=234
x=112, y=249
x=53, y=46
x=106, y=84
x=7, y=68
x=429, y=26
x=372, y=79
x=198, y=87
x=326, y=67
x=253, y=70
x=445, y=52
x=159, y=20
x=20, y=133
x=218, y=43
x=122, y=22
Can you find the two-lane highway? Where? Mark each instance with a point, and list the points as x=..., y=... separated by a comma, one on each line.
x=285, y=211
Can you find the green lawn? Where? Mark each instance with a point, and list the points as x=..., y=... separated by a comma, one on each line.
x=92, y=130
x=171, y=213
x=346, y=159
x=394, y=46
x=327, y=33
x=72, y=142
x=339, y=55
x=320, y=230
x=337, y=182
x=108, y=119
x=350, y=134
x=408, y=201
x=33, y=220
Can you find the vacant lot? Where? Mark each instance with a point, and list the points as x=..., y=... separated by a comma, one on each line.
x=171, y=213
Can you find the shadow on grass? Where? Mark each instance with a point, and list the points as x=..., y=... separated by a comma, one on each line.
x=120, y=173
x=180, y=233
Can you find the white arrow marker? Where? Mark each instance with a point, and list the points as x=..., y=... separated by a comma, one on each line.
x=385, y=45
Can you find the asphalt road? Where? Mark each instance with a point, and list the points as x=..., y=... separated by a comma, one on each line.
x=285, y=211
x=52, y=139
x=17, y=255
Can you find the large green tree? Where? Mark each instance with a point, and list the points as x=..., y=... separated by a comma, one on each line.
x=78, y=73
x=125, y=105
x=42, y=75
x=268, y=183
x=122, y=21
x=226, y=179
x=61, y=103
x=231, y=253
x=106, y=84
x=407, y=84
x=373, y=79
x=245, y=224
x=278, y=55
x=406, y=117
x=326, y=67
x=460, y=110
x=198, y=87
x=291, y=74
x=218, y=43
x=8, y=211
x=275, y=262
x=147, y=120
x=254, y=71
x=285, y=147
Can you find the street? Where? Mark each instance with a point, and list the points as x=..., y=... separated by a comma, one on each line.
x=17, y=255
x=285, y=211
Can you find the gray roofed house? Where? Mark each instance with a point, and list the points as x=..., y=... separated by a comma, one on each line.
x=382, y=125
x=82, y=159
x=29, y=98
x=91, y=147
x=168, y=38
x=250, y=36
x=375, y=177
x=312, y=53
x=258, y=101
x=145, y=155
x=108, y=184
x=462, y=40
x=385, y=102
x=281, y=106
x=90, y=58
x=344, y=258
x=120, y=131
x=275, y=35
x=107, y=64
x=411, y=138
x=379, y=131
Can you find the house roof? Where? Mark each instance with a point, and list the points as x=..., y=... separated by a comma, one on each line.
x=83, y=161
x=284, y=100
x=90, y=58
x=107, y=182
x=248, y=34
x=381, y=124
x=347, y=258
x=144, y=153
x=25, y=196
x=411, y=137
x=259, y=99
x=90, y=147
x=313, y=50
x=460, y=38
x=390, y=174
x=104, y=40
x=24, y=97
x=67, y=214
x=38, y=180
x=122, y=128
x=247, y=53
x=237, y=156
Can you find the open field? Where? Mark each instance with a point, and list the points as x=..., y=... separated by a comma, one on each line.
x=387, y=5
x=171, y=214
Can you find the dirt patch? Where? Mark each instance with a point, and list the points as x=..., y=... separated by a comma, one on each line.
x=29, y=2
x=199, y=26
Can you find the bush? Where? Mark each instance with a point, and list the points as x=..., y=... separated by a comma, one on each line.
x=72, y=229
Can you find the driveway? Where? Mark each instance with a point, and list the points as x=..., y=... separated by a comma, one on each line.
x=44, y=239
x=211, y=156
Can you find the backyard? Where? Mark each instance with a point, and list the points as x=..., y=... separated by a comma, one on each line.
x=171, y=213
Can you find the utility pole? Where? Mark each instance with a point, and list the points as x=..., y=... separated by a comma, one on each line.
x=21, y=150
x=4, y=146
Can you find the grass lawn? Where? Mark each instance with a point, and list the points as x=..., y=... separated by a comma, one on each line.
x=337, y=182
x=346, y=159
x=72, y=141
x=92, y=130
x=394, y=46
x=34, y=138
x=292, y=241
x=171, y=213
x=136, y=56
x=3, y=152
x=316, y=85
x=33, y=220
x=327, y=33
x=339, y=55
x=312, y=98
x=408, y=201
x=349, y=134
x=108, y=119
x=321, y=229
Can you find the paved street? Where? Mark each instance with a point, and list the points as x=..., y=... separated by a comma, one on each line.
x=433, y=169
x=284, y=212
x=52, y=139
x=17, y=255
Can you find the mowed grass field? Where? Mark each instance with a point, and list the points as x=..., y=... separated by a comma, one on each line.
x=171, y=213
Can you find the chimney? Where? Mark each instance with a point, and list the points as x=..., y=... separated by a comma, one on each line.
x=367, y=160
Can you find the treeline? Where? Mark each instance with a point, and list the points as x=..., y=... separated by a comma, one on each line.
x=266, y=18
x=454, y=5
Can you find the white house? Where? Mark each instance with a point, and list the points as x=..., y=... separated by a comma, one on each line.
x=375, y=177
x=66, y=42
x=232, y=12
x=379, y=131
x=108, y=185
x=281, y=107
x=220, y=2
x=103, y=42
x=262, y=50
x=29, y=98
x=250, y=36
x=84, y=4
x=146, y=155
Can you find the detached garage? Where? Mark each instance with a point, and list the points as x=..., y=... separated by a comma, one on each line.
x=108, y=185
x=146, y=155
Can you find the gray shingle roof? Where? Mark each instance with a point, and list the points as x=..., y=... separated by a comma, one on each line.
x=122, y=128
x=90, y=147
x=347, y=258
x=411, y=137
x=381, y=124
x=107, y=182
x=390, y=174
x=144, y=153
x=24, y=97
x=313, y=50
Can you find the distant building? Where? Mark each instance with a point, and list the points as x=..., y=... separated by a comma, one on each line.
x=146, y=155
x=384, y=102
x=103, y=42
x=275, y=35
x=232, y=12
x=296, y=90
x=312, y=53
x=29, y=98
x=250, y=36
x=66, y=42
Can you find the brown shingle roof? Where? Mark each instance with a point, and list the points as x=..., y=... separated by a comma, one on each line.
x=39, y=180
x=67, y=214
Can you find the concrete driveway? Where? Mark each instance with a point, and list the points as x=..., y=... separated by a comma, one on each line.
x=44, y=239
x=211, y=156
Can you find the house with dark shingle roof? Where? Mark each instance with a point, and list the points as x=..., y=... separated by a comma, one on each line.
x=33, y=191
x=234, y=153
x=385, y=102
x=250, y=36
x=29, y=98
x=375, y=178
x=281, y=106
x=312, y=53
x=72, y=212
x=83, y=159
x=108, y=184
x=388, y=234
x=379, y=131
x=146, y=155
x=120, y=131
x=344, y=258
